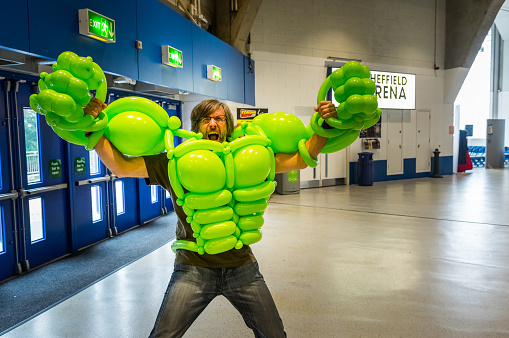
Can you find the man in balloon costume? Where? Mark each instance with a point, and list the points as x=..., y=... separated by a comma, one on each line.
x=220, y=179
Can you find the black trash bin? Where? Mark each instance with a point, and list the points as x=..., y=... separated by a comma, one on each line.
x=365, y=169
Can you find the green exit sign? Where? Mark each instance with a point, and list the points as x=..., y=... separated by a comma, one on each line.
x=213, y=73
x=96, y=26
x=172, y=56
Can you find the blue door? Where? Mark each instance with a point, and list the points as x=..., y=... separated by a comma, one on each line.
x=123, y=195
x=90, y=203
x=150, y=204
x=9, y=241
x=41, y=181
x=173, y=109
x=125, y=207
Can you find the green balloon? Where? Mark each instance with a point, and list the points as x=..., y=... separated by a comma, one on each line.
x=249, y=208
x=252, y=166
x=353, y=69
x=370, y=87
x=218, y=230
x=283, y=129
x=354, y=104
x=135, y=133
x=370, y=103
x=354, y=85
x=201, y=171
x=208, y=201
x=251, y=237
x=213, y=215
x=337, y=78
x=215, y=246
x=247, y=223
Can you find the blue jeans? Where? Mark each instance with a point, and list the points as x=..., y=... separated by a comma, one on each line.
x=192, y=288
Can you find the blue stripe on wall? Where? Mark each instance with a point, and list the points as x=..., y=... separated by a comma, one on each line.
x=380, y=170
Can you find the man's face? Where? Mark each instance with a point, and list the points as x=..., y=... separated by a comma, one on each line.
x=214, y=127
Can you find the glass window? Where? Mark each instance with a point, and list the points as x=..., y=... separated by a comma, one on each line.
x=37, y=229
x=2, y=227
x=94, y=163
x=97, y=214
x=167, y=194
x=153, y=193
x=119, y=196
x=32, y=145
x=474, y=96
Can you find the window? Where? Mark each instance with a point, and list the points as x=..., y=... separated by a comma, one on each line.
x=97, y=214
x=119, y=196
x=167, y=194
x=37, y=229
x=32, y=146
x=2, y=227
x=153, y=193
x=474, y=97
x=94, y=163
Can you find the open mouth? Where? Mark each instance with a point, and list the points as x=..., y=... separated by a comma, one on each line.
x=213, y=136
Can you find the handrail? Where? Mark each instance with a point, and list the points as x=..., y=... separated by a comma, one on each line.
x=93, y=180
x=11, y=195
x=25, y=192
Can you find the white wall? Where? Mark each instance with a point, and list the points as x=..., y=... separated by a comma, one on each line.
x=292, y=39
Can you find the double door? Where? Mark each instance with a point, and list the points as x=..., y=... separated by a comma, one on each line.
x=34, y=186
x=57, y=198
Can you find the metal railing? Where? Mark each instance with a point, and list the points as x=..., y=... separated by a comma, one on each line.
x=33, y=167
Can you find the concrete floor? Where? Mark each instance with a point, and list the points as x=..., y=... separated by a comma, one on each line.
x=412, y=258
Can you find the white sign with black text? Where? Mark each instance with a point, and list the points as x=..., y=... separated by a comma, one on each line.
x=393, y=90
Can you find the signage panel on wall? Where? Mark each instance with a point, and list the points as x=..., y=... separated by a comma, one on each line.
x=213, y=73
x=172, y=56
x=96, y=26
x=248, y=114
x=393, y=90
x=55, y=168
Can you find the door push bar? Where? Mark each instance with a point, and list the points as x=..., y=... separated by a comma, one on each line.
x=93, y=180
x=12, y=195
x=25, y=192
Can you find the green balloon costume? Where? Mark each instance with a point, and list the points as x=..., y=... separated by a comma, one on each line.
x=223, y=188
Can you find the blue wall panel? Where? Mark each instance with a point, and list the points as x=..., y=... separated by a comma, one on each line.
x=49, y=27
x=54, y=29
x=234, y=75
x=209, y=50
x=158, y=25
x=14, y=32
x=249, y=81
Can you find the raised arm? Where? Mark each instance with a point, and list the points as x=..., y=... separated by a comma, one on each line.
x=315, y=144
x=119, y=164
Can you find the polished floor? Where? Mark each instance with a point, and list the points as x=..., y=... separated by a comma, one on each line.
x=424, y=257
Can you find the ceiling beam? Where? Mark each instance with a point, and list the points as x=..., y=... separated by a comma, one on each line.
x=467, y=23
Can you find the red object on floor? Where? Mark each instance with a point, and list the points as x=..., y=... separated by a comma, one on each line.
x=467, y=166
